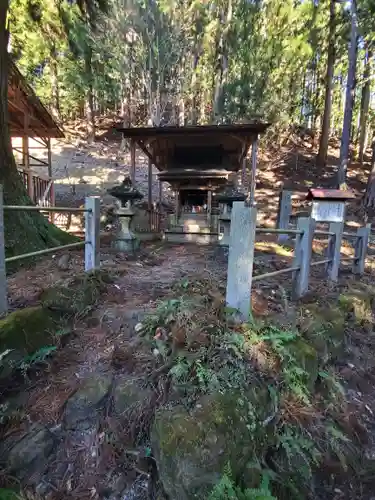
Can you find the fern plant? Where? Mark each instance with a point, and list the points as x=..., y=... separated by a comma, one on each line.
x=227, y=490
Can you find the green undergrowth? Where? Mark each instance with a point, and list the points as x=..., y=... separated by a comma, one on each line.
x=269, y=396
x=29, y=336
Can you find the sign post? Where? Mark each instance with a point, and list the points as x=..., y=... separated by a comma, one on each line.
x=328, y=205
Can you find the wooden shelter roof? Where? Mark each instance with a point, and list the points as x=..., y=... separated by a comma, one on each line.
x=169, y=146
x=24, y=106
x=242, y=130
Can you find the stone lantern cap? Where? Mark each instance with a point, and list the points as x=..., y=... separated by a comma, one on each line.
x=125, y=191
x=230, y=194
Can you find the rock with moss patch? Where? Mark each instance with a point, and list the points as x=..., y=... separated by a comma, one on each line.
x=6, y=494
x=324, y=328
x=358, y=303
x=193, y=448
x=27, y=330
x=129, y=393
x=306, y=358
x=82, y=407
x=76, y=296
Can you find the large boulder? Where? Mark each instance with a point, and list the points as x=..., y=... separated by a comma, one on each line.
x=192, y=448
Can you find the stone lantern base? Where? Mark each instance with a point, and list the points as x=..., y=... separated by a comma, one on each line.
x=125, y=240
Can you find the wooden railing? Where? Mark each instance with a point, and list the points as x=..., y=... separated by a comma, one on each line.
x=39, y=187
x=154, y=218
x=91, y=242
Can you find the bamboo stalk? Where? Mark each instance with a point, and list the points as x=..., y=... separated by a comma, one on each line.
x=324, y=233
x=350, y=235
x=45, y=251
x=320, y=262
x=45, y=209
x=275, y=273
x=262, y=230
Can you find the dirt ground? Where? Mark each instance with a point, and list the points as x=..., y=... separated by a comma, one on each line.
x=81, y=465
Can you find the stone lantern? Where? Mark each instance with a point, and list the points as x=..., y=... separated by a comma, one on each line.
x=226, y=197
x=126, y=193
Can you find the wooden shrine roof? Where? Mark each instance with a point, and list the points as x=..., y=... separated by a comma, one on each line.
x=170, y=147
x=23, y=102
x=241, y=130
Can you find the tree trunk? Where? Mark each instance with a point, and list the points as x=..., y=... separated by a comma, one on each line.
x=323, y=146
x=365, y=102
x=369, y=198
x=350, y=88
x=24, y=231
x=55, y=94
x=89, y=99
x=220, y=77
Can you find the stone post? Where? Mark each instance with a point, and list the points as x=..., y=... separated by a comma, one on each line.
x=360, y=249
x=334, y=250
x=302, y=256
x=241, y=258
x=284, y=213
x=92, y=233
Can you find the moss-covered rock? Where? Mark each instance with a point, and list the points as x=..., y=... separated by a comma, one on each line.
x=358, y=304
x=76, y=296
x=128, y=394
x=87, y=400
x=306, y=357
x=6, y=494
x=27, y=330
x=324, y=329
x=193, y=448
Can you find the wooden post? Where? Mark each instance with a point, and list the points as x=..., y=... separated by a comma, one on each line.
x=334, y=250
x=52, y=189
x=92, y=233
x=284, y=213
x=177, y=206
x=160, y=193
x=3, y=278
x=26, y=157
x=254, y=152
x=302, y=256
x=149, y=179
x=360, y=249
x=49, y=157
x=242, y=178
x=132, y=161
x=209, y=207
x=241, y=258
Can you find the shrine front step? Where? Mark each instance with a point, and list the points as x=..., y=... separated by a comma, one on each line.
x=200, y=237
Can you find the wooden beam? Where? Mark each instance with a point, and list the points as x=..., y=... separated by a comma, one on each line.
x=149, y=182
x=254, y=153
x=49, y=157
x=143, y=147
x=132, y=160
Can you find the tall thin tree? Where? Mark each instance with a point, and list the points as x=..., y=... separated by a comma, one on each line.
x=349, y=98
x=323, y=145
